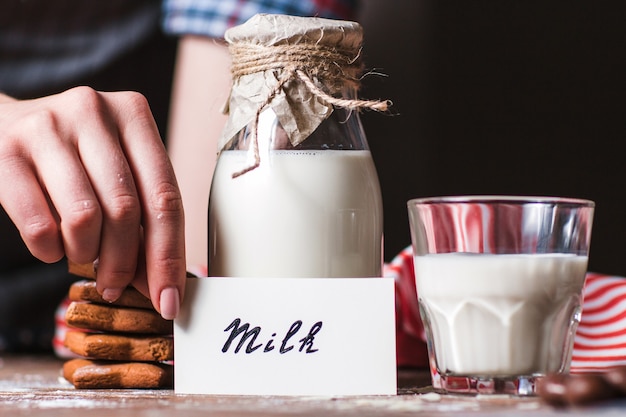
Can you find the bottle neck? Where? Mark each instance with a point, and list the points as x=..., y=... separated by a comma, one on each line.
x=342, y=130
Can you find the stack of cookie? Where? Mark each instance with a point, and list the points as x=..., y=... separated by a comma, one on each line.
x=124, y=344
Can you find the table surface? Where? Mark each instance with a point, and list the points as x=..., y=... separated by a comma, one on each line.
x=32, y=386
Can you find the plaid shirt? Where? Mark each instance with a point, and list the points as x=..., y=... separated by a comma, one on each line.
x=212, y=17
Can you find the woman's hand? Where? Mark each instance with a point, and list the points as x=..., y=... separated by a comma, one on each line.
x=84, y=174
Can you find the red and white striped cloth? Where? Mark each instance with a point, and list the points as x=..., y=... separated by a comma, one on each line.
x=61, y=327
x=600, y=340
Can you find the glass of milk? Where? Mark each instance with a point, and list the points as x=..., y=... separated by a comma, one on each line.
x=499, y=282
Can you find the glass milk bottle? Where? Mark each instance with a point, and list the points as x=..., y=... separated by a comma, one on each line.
x=295, y=191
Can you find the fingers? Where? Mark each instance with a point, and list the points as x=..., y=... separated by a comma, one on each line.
x=111, y=178
x=86, y=175
x=140, y=201
x=44, y=187
x=162, y=209
x=89, y=182
x=26, y=204
x=70, y=194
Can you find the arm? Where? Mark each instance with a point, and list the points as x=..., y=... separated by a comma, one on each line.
x=201, y=87
x=85, y=175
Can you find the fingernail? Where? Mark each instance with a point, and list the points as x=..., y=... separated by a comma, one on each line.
x=170, y=303
x=111, y=294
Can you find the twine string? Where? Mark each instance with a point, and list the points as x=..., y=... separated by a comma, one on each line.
x=334, y=68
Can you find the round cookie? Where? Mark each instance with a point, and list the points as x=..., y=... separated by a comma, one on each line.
x=120, y=347
x=105, y=318
x=580, y=389
x=82, y=270
x=85, y=290
x=88, y=374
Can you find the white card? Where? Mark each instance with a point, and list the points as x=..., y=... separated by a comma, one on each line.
x=306, y=336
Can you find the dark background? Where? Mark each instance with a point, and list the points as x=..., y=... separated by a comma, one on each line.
x=490, y=97
x=500, y=97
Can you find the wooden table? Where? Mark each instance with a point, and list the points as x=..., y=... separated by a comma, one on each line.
x=31, y=386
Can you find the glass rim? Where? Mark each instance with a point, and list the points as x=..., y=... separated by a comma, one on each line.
x=501, y=199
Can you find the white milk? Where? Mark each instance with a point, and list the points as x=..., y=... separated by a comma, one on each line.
x=299, y=214
x=498, y=315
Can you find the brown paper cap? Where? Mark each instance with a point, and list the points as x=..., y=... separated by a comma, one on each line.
x=298, y=110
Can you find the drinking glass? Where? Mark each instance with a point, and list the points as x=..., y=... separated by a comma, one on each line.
x=499, y=282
